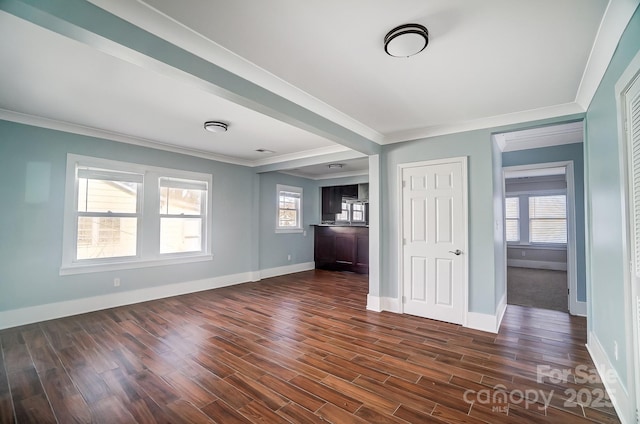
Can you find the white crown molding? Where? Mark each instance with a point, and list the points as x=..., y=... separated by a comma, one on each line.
x=52, y=124
x=613, y=24
x=327, y=176
x=328, y=150
x=489, y=122
x=155, y=22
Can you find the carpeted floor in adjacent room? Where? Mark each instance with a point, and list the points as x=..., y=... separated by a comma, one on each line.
x=540, y=288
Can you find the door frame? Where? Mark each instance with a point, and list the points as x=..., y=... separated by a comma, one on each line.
x=575, y=308
x=463, y=161
x=631, y=309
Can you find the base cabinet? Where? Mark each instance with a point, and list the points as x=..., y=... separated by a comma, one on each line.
x=342, y=248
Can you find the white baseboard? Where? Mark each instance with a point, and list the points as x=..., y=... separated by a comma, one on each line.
x=622, y=402
x=579, y=308
x=380, y=303
x=524, y=263
x=488, y=322
x=287, y=269
x=29, y=315
x=374, y=303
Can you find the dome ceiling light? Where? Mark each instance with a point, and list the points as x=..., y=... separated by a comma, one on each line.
x=406, y=40
x=215, y=126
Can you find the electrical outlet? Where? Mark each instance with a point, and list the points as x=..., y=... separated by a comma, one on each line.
x=116, y=282
x=304, y=233
x=289, y=257
x=615, y=350
x=524, y=253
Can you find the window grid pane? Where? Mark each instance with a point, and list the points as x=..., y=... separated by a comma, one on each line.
x=179, y=235
x=106, y=237
x=345, y=214
x=512, y=228
x=548, y=219
x=107, y=196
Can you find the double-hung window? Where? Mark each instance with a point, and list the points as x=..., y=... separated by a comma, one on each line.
x=122, y=215
x=548, y=219
x=107, y=213
x=536, y=219
x=289, y=213
x=182, y=203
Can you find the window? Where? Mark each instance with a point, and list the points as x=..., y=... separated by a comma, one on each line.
x=345, y=215
x=352, y=212
x=181, y=219
x=289, y=214
x=536, y=219
x=548, y=219
x=107, y=228
x=107, y=215
x=512, y=218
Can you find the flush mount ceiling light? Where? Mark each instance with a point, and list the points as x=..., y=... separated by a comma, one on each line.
x=406, y=40
x=335, y=166
x=215, y=126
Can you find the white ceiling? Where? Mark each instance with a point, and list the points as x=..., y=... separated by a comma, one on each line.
x=488, y=63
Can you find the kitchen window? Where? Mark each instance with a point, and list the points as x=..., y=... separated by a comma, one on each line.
x=109, y=223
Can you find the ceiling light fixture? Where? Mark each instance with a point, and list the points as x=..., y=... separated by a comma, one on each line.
x=406, y=40
x=264, y=151
x=335, y=165
x=215, y=126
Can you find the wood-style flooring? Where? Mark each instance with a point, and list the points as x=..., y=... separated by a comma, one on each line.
x=295, y=349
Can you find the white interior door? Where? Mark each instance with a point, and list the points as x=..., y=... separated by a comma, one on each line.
x=434, y=239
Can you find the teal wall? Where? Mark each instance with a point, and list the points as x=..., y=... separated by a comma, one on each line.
x=31, y=234
x=475, y=145
x=274, y=247
x=487, y=282
x=573, y=152
x=605, y=264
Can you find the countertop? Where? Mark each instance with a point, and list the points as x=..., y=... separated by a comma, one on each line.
x=341, y=225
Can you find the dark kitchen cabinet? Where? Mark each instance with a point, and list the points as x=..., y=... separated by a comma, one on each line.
x=342, y=248
x=331, y=200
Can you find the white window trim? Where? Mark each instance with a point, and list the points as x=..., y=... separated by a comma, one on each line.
x=148, y=247
x=292, y=189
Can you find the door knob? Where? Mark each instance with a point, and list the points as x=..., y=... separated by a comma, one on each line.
x=457, y=252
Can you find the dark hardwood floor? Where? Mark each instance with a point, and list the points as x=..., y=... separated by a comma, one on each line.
x=299, y=348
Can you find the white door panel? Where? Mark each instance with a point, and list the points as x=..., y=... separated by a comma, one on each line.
x=433, y=227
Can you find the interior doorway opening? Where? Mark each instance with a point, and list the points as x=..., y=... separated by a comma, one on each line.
x=536, y=235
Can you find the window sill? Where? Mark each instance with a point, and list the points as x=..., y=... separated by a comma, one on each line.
x=288, y=230
x=80, y=268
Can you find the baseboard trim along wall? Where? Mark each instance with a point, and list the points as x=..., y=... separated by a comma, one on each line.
x=488, y=322
x=288, y=269
x=622, y=402
x=381, y=303
x=32, y=314
x=475, y=320
x=579, y=309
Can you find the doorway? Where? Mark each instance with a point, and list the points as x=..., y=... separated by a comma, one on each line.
x=540, y=236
